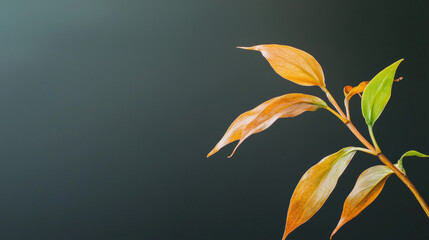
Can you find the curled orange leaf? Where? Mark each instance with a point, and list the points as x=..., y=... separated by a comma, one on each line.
x=315, y=187
x=350, y=91
x=347, y=89
x=292, y=64
x=367, y=188
x=264, y=115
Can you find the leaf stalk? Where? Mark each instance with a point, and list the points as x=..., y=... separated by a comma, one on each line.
x=334, y=103
x=406, y=181
x=365, y=150
x=371, y=133
x=344, y=120
x=379, y=154
x=346, y=104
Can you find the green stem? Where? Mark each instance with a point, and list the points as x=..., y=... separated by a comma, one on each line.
x=401, y=166
x=371, y=133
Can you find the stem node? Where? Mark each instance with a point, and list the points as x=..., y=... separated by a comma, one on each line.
x=374, y=150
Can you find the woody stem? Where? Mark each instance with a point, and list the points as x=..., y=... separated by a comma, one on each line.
x=378, y=153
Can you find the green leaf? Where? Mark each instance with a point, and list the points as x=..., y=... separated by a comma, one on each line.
x=411, y=153
x=377, y=93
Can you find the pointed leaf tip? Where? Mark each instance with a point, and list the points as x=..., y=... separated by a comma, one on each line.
x=315, y=187
x=264, y=115
x=247, y=48
x=413, y=153
x=210, y=153
x=292, y=64
x=367, y=188
x=377, y=93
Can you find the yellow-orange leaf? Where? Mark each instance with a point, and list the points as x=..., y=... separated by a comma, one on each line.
x=315, y=187
x=264, y=115
x=367, y=188
x=292, y=64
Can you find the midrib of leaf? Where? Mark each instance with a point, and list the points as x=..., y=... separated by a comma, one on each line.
x=326, y=173
x=372, y=186
x=296, y=103
x=309, y=74
x=379, y=89
x=255, y=117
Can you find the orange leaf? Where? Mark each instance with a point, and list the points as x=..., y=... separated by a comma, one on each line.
x=292, y=64
x=315, y=187
x=367, y=188
x=264, y=115
x=350, y=91
x=347, y=89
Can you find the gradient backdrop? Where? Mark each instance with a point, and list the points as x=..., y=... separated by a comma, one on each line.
x=108, y=109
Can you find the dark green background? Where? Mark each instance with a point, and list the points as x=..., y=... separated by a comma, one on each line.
x=108, y=109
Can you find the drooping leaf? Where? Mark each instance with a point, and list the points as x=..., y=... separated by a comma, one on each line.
x=347, y=89
x=350, y=91
x=411, y=153
x=264, y=115
x=377, y=93
x=367, y=188
x=315, y=187
x=292, y=64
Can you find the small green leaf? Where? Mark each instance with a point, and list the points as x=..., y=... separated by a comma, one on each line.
x=411, y=153
x=377, y=93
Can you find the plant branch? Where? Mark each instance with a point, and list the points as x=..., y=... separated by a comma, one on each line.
x=359, y=136
x=334, y=103
x=406, y=181
x=379, y=154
